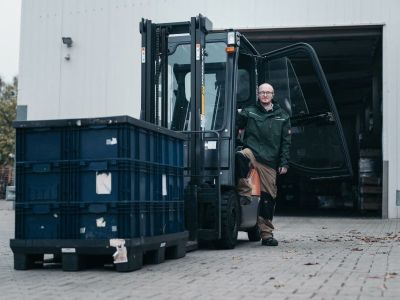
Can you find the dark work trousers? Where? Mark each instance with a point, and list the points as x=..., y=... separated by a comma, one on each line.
x=242, y=166
x=267, y=204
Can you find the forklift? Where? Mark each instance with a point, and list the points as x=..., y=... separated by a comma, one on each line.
x=194, y=81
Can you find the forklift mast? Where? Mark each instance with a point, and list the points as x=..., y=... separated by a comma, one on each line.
x=155, y=108
x=154, y=89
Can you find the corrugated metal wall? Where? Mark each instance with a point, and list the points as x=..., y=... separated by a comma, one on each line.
x=103, y=75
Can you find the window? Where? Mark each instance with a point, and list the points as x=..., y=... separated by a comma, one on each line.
x=179, y=90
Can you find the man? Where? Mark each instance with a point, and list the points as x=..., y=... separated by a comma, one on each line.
x=266, y=147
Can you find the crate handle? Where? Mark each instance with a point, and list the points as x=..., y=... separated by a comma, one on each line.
x=41, y=168
x=97, y=126
x=97, y=208
x=41, y=209
x=98, y=166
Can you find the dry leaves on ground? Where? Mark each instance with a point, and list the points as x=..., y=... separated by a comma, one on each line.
x=357, y=249
x=357, y=235
x=326, y=240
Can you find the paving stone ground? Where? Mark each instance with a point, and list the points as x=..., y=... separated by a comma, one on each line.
x=317, y=258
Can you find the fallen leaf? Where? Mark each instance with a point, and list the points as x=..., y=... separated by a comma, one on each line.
x=326, y=240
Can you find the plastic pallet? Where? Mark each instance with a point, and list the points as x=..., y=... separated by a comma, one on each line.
x=78, y=254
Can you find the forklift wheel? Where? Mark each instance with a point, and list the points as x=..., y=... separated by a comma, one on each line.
x=230, y=216
x=254, y=234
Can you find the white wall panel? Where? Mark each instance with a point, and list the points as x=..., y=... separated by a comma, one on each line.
x=103, y=75
x=39, y=58
x=121, y=71
x=84, y=76
x=391, y=106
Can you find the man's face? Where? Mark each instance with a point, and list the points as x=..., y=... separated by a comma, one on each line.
x=265, y=94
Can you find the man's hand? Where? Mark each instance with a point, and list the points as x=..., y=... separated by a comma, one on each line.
x=282, y=170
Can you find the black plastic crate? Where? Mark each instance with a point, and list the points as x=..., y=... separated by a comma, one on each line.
x=42, y=182
x=98, y=220
x=103, y=221
x=174, y=217
x=98, y=138
x=39, y=221
x=124, y=181
x=170, y=150
x=161, y=218
x=109, y=220
x=127, y=140
x=44, y=143
x=98, y=178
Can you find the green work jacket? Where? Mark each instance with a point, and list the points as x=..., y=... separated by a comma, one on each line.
x=267, y=134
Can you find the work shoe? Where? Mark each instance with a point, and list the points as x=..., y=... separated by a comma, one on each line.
x=269, y=242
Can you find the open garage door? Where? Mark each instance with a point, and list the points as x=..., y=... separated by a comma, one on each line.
x=351, y=57
x=319, y=148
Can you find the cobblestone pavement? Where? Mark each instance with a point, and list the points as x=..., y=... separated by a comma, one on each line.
x=317, y=258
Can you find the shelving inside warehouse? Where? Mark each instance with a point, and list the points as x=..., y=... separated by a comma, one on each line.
x=370, y=180
x=99, y=180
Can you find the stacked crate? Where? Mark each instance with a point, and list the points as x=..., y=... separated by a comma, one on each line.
x=97, y=180
x=370, y=180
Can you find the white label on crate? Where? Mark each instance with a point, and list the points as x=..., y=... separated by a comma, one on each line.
x=68, y=250
x=164, y=184
x=100, y=222
x=103, y=183
x=210, y=145
x=82, y=230
x=112, y=141
x=114, y=228
x=163, y=244
x=120, y=256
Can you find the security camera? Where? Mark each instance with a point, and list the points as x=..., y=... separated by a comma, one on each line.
x=67, y=41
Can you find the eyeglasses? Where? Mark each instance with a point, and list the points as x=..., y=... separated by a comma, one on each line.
x=266, y=93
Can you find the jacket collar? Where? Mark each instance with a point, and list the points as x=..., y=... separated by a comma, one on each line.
x=275, y=107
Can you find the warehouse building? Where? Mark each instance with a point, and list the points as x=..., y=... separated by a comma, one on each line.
x=95, y=71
